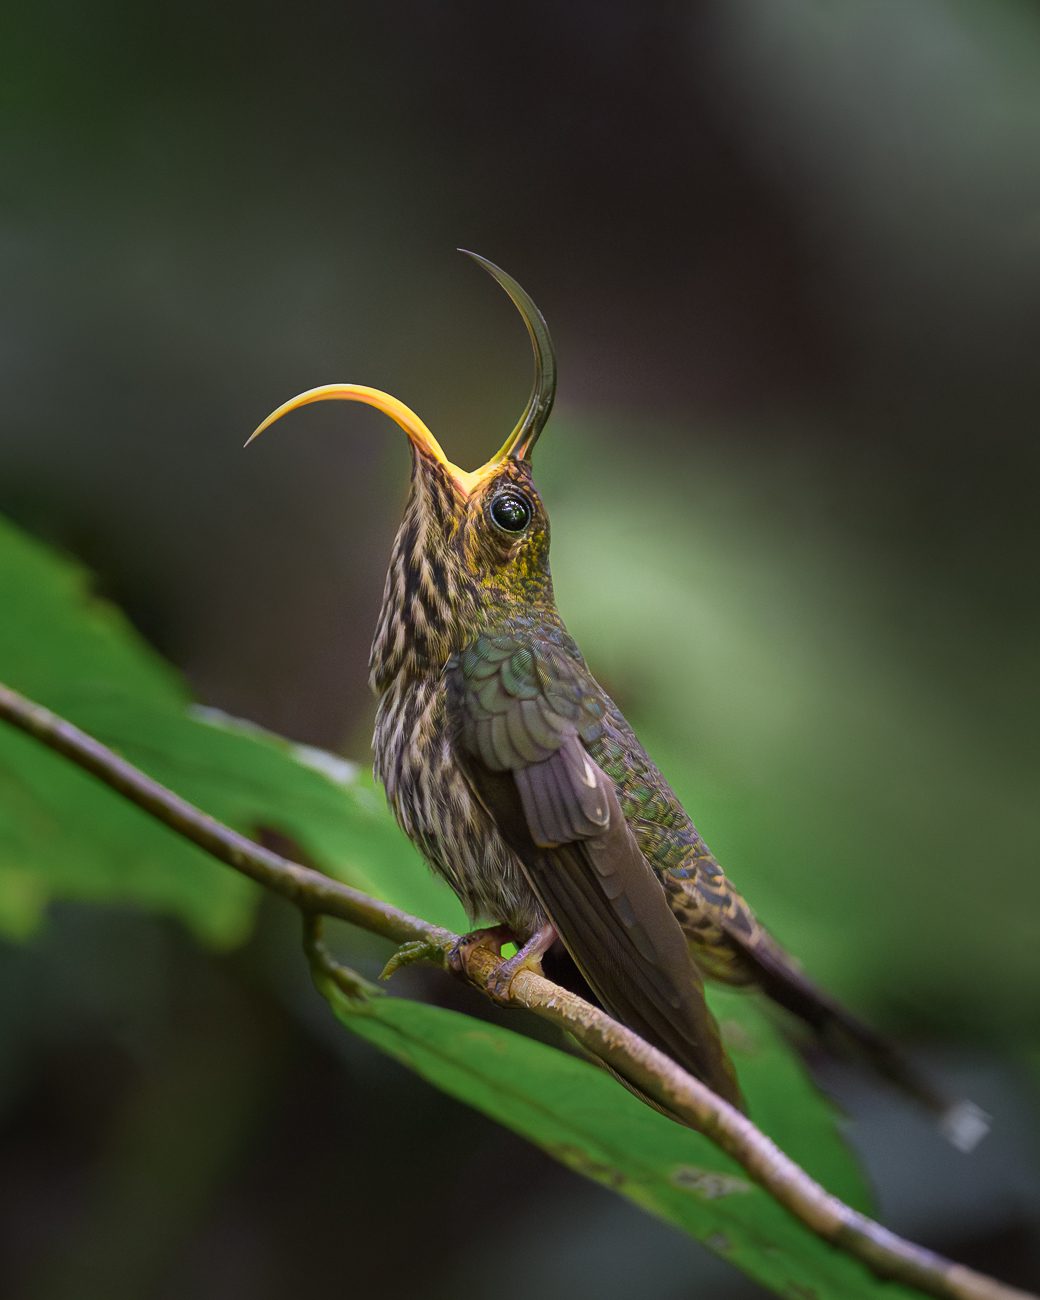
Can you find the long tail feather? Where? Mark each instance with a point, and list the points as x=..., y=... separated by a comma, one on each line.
x=962, y=1122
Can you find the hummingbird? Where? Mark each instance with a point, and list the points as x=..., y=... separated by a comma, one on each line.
x=523, y=785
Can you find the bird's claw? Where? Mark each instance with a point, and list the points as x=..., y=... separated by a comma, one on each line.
x=492, y=938
x=501, y=981
x=417, y=950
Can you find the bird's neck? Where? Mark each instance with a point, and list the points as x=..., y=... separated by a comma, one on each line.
x=427, y=599
x=436, y=600
x=432, y=610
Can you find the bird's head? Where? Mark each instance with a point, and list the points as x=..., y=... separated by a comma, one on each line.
x=473, y=547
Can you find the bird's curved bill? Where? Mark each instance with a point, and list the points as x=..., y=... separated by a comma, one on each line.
x=518, y=445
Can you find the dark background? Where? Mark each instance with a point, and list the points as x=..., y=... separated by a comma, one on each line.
x=790, y=255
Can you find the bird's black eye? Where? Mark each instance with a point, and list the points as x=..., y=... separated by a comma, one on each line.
x=511, y=512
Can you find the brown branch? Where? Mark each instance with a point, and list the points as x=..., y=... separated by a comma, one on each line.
x=656, y=1074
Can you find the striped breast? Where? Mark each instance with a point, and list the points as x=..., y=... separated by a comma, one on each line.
x=437, y=810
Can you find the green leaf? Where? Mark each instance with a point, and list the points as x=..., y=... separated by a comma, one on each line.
x=580, y=1116
x=62, y=835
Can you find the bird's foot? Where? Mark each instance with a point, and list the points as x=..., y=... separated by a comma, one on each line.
x=529, y=957
x=409, y=954
x=461, y=954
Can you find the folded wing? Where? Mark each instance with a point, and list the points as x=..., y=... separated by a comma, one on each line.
x=523, y=714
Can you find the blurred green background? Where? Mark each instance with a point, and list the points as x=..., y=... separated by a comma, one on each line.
x=790, y=255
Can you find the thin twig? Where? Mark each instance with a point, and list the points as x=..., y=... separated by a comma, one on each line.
x=656, y=1074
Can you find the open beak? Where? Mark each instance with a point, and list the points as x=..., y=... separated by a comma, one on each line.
x=518, y=445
